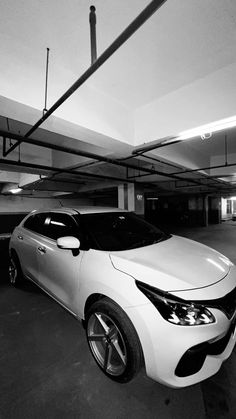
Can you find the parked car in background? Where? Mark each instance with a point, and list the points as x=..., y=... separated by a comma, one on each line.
x=145, y=297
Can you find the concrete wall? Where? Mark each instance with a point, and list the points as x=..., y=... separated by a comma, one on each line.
x=14, y=208
x=17, y=204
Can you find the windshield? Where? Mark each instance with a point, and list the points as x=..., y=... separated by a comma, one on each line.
x=115, y=231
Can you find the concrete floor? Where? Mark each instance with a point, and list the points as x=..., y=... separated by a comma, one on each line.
x=46, y=369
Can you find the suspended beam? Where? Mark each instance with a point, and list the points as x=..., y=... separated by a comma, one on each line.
x=152, y=7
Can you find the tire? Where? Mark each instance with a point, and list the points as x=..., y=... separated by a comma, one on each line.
x=15, y=272
x=113, y=341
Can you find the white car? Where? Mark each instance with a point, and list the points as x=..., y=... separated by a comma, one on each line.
x=144, y=297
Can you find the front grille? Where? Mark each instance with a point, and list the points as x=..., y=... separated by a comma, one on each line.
x=227, y=304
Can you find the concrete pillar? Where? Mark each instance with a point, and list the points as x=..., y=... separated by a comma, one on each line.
x=205, y=210
x=121, y=196
x=216, y=210
x=131, y=198
x=139, y=200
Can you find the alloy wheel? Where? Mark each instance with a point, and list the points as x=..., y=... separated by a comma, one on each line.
x=107, y=343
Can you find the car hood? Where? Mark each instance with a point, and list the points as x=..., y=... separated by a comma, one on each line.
x=175, y=264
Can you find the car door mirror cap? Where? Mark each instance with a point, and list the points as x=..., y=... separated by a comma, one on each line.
x=68, y=242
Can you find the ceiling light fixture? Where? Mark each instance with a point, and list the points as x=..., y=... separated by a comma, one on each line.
x=206, y=136
x=205, y=131
x=15, y=190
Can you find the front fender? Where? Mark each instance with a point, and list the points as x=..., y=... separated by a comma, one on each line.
x=99, y=276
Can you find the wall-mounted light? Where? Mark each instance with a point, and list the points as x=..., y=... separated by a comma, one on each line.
x=205, y=131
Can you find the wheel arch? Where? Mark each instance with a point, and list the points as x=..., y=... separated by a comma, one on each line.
x=97, y=297
x=93, y=298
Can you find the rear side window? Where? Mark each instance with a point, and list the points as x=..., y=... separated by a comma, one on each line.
x=60, y=225
x=36, y=223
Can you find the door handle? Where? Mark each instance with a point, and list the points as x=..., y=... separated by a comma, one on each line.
x=20, y=237
x=42, y=249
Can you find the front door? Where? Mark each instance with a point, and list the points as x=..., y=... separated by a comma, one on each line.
x=59, y=268
x=30, y=236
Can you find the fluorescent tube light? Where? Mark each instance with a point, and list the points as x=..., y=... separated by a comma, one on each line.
x=203, y=130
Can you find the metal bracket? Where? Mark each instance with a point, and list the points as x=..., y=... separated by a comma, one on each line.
x=4, y=149
x=93, y=21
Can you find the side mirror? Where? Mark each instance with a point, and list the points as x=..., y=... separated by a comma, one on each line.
x=68, y=242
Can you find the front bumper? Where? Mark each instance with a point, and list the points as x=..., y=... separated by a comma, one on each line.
x=193, y=359
x=179, y=356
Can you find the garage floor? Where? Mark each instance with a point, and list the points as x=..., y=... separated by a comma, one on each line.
x=46, y=369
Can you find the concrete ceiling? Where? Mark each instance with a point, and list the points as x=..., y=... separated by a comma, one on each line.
x=176, y=72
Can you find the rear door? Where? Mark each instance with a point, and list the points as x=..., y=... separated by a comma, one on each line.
x=59, y=268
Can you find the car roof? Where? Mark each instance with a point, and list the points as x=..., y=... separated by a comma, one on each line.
x=81, y=209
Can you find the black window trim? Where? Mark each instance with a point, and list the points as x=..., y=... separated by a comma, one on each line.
x=58, y=212
x=46, y=218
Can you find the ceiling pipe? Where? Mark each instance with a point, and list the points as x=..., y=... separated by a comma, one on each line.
x=151, y=8
x=205, y=176
x=205, y=168
x=46, y=169
x=196, y=183
x=149, y=158
x=159, y=161
x=92, y=156
x=157, y=144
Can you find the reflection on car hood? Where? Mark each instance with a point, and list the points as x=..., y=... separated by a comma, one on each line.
x=173, y=265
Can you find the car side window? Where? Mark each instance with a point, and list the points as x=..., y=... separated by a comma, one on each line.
x=60, y=225
x=36, y=222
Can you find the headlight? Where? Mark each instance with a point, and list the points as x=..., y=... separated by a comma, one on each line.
x=174, y=309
